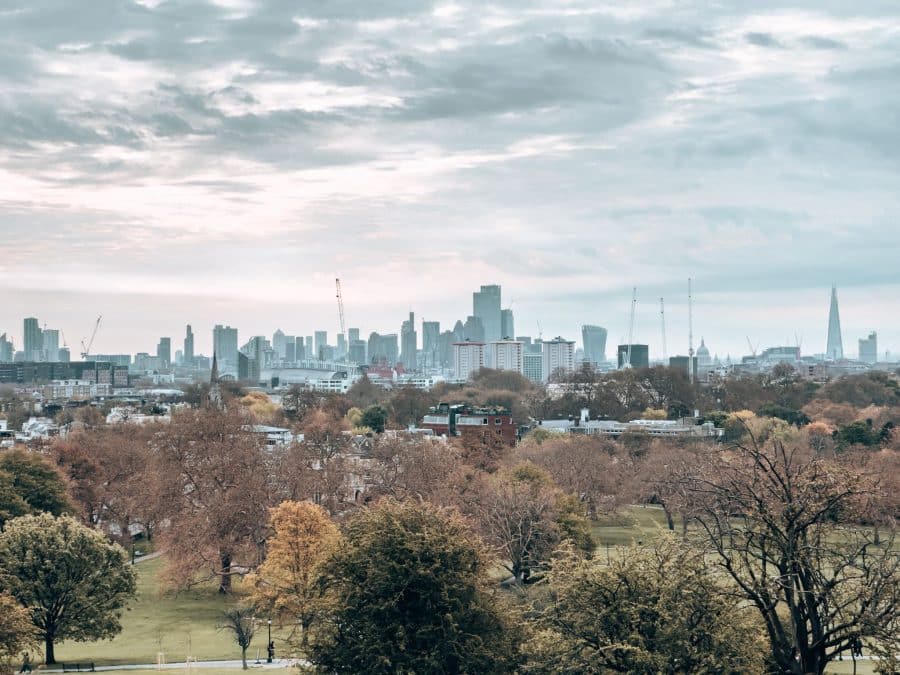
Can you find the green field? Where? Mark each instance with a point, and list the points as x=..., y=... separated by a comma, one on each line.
x=177, y=625
x=186, y=623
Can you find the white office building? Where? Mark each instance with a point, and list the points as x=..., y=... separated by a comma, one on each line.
x=468, y=357
x=558, y=355
x=508, y=355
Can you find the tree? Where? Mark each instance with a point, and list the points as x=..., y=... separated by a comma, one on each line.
x=410, y=404
x=375, y=417
x=30, y=484
x=74, y=583
x=654, y=610
x=517, y=517
x=214, y=495
x=111, y=477
x=783, y=523
x=287, y=585
x=241, y=622
x=410, y=583
x=318, y=467
x=16, y=632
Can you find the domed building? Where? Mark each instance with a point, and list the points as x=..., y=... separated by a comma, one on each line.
x=703, y=358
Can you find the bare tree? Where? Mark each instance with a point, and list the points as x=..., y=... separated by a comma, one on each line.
x=783, y=523
x=214, y=493
x=241, y=623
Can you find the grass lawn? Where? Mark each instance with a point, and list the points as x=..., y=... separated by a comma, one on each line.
x=180, y=624
x=632, y=525
x=209, y=671
x=846, y=667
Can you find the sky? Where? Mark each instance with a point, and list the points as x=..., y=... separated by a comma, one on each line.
x=165, y=162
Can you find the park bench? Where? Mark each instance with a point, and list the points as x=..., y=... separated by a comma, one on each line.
x=78, y=667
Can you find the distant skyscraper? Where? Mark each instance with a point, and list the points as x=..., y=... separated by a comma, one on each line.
x=835, y=349
x=486, y=306
x=559, y=355
x=225, y=349
x=33, y=344
x=279, y=344
x=640, y=356
x=507, y=324
x=594, y=340
x=299, y=349
x=6, y=349
x=431, y=343
x=188, y=352
x=50, y=351
x=321, y=343
x=352, y=334
x=164, y=352
x=473, y=329
x=408, y=343
x=868, y=348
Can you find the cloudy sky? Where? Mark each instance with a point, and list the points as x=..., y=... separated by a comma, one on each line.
x=174, y=161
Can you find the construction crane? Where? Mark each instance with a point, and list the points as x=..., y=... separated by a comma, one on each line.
x=340, y=299
x=662, y=321
x=86, y=349
x=690, y=333
x=752, y=348
x=627, y=363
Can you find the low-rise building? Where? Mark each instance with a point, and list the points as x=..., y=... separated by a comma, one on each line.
x=469, y=422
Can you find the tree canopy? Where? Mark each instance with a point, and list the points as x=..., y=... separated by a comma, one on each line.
x=74, y=583
x=651, y=610
x=28, y=485
x=411, y=596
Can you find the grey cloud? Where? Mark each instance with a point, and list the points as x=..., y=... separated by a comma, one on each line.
x=820, y=42
x=682, y=36
x=763, y=40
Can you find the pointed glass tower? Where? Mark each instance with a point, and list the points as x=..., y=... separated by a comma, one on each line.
x=835, y=349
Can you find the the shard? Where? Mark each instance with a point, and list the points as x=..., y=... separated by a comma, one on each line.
x=835, y=349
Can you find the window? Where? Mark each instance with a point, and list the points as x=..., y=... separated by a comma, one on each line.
x=484, y=420
x=498, y=420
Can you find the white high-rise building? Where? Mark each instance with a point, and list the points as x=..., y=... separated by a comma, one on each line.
x=559, y=355
x=508, y=355
x=468, y=358
x=51, y=345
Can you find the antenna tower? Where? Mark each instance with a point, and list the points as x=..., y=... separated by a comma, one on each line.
x=690, y=333
x=662, y=321
x=627, y=363
x=340, y=299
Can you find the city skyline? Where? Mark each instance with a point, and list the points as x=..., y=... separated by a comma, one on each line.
x=166, y=163
x=647, y=321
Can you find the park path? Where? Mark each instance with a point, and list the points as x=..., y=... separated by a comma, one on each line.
x=236, y=664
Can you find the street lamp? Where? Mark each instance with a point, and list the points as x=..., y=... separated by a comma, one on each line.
x=270, y=649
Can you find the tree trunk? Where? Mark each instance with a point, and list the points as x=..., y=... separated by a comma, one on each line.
x=669, y=520
x=304, y=637
x=225, y=577
x=244, y=657
x=49, y=657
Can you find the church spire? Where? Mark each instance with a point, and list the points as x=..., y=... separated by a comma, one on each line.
x=214, y=398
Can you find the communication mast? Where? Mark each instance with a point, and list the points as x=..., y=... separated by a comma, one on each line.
x=340, y=299
x=690, y=333
x=662, y=320
x=627, y=363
